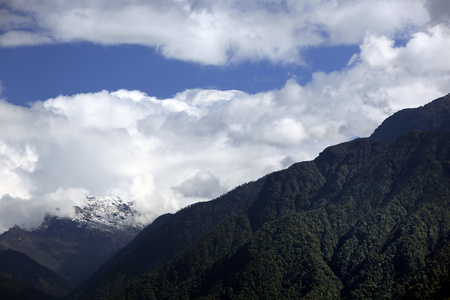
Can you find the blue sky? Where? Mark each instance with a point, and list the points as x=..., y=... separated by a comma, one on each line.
x=167, y=103
x=50, y=70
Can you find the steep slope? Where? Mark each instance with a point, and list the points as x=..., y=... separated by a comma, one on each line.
x=155, y=246
x=315, y=229
x=108, y=267
x=434, y=116
x=378, y=226
x=75, y=247
x=23, y=278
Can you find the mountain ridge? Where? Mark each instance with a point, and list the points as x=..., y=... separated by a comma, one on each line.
x=315, y=203
x=320, y=239
x=433, y=116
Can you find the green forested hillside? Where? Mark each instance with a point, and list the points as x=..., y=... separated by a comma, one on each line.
x=368, y=218
x=361, y=221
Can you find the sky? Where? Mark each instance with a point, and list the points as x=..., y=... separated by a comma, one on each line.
x=168, y=103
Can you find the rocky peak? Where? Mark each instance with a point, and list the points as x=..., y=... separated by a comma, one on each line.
x=105, y=213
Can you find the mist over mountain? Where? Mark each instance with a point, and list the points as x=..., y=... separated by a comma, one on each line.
x=366, y=218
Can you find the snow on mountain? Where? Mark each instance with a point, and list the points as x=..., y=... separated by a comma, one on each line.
x=107, y=213
x=75, y=245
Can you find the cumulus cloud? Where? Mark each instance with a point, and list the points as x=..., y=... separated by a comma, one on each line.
x=203, y=184
x=168, y=153
x=211, y=32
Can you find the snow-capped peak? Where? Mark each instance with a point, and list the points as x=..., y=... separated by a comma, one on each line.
x=107, y=213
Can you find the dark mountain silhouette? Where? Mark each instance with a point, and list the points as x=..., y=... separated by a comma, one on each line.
x=378, y=229
x=368, y=218
x=23, y=278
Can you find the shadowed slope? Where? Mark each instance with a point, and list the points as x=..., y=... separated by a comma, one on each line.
x=376, y=229
x=23, y=278
x=434, y=116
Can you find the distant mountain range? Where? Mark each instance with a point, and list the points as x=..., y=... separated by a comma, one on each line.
x=369, y=218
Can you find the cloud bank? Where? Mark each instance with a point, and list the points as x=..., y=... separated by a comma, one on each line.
x=214, y=32
x=168, y=153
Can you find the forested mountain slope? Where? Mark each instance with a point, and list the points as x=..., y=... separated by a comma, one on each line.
x=365, y=219
x=377, y=226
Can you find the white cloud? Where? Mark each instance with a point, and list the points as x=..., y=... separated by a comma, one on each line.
x=211, y=32
x=20, y=38
x=30, y=213
x=15, y=164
